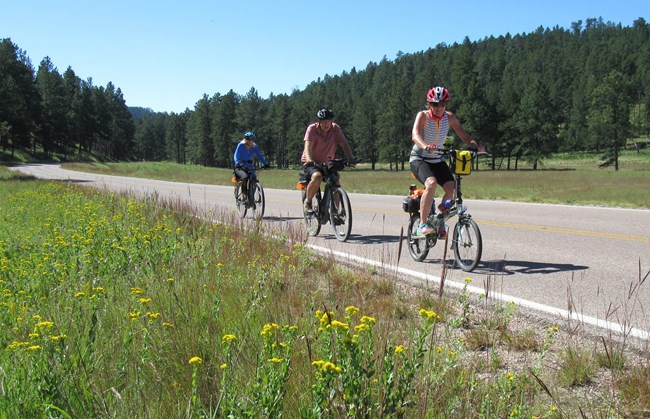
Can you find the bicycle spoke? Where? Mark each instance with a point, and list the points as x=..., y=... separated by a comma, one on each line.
x=467, y=244
x=340, y=214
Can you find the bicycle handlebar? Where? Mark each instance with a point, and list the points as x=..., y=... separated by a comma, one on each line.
x=447, y=151
x=334, y=165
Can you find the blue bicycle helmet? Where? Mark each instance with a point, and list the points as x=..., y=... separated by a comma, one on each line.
x=249, y=134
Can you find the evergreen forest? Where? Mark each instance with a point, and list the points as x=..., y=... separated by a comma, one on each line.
x=525, y=96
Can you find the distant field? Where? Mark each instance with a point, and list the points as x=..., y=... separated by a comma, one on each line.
x=567, y=178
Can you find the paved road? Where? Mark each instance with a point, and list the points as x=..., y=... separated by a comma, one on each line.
x=587, y=263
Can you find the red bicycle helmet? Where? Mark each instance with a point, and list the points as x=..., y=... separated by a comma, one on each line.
x=438, y=94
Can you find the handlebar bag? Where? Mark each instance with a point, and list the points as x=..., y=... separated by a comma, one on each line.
x=463, y=162
x=336, y=165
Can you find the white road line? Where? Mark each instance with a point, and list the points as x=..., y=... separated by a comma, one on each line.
x=594, y=321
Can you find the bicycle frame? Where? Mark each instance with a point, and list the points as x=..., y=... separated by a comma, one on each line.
x=326, y=196
x=332, y=203
x=250, y=200
x=466, y=239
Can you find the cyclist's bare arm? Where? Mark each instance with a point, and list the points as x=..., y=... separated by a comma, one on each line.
x=464, y=136
x=307, y=151
x=348, y=153
x=417, y=134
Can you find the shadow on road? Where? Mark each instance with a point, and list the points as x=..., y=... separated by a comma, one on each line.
x=377, y=239
x=512, y=267
x=280, y=219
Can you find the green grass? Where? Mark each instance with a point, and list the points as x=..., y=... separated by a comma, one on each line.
x=117, y=306
x=566, y=178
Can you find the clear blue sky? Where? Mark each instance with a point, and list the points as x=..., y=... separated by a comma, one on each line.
x=165, y=54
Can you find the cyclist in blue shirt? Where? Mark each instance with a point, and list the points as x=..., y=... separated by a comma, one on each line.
x=244, y=154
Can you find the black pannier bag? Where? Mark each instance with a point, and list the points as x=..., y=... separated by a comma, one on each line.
x=411, y=203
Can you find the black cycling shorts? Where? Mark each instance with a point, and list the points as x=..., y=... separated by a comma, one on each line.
x=307, y=171
x=424, y=170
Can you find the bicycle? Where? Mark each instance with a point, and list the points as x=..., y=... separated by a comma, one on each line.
x=332, y=205
x=466, y=238
x=254, y=199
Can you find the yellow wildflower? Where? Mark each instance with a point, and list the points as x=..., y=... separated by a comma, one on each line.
x=368, y=320
x=269, y=329
x=399, y=349
x=360, y=328
x=196, y=360
x=429, y=314
x=43, y=325
x=351, y=310
x=228, y=338
x=340, y=325
x=326, y=366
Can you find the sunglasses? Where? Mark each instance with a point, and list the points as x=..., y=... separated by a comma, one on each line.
x=438, y=104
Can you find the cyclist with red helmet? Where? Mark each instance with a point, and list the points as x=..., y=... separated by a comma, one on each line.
x=430, y=132
x=321, y=140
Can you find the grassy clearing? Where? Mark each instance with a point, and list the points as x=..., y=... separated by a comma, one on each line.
x=114, y=306
x=566, y=178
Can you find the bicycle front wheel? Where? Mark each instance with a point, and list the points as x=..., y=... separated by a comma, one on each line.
x=312, y=219
x=467, y=244
x=240, y=200
x=340, y=214
x=258, y=204
x=418, y=247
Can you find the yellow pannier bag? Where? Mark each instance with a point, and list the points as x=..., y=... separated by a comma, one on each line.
x=463, y=164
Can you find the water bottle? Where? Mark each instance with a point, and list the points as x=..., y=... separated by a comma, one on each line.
x=445, y=205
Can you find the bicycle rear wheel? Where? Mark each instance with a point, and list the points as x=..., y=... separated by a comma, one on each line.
x=258, y=203
x=467, y=244
x=312, y=219
x=418, y=247
x=240, y=200
x=341, y=214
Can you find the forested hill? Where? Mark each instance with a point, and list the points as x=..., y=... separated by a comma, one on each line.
x=581, y=88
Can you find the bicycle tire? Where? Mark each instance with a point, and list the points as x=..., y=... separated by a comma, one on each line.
x=467, y=244
x=312, y=219
x=341, y=217
x=259, y=202
x=239, y=201
x=418, y=247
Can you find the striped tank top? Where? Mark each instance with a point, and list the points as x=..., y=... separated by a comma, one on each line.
x=435, y=132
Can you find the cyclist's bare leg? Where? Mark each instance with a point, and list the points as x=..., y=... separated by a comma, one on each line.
x=450, y=189
x=427, y=198
x=314, y=185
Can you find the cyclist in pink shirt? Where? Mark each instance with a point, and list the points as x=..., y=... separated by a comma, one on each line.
x=321, y=140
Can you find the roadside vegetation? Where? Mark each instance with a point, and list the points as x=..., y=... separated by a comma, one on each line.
x=114, y=306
